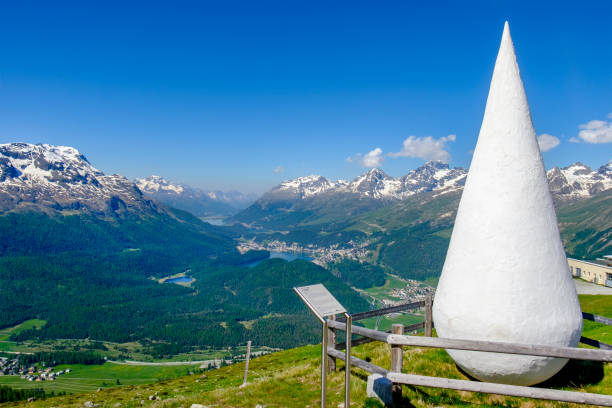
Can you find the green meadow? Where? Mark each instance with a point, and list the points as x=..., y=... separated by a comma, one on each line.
x=88, y=378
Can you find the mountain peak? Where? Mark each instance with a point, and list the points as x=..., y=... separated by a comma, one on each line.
x=436, y=164
x=303, y=187
x=376, y=184
x=60, y=177
x=375, y=172
x=579, y=180
x=155, y=184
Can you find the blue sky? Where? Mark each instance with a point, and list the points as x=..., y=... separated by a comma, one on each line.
x=221, y=94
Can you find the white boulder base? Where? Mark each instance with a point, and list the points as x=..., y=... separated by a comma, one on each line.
x=506, y=276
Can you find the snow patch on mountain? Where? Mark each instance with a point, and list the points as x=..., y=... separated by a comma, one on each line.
x=307, y=186
x=575, y=181
x=60, y=177
x=155, y=184
x=376, y=184
x=579, y=180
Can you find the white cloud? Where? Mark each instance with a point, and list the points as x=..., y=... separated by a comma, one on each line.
x=547, y=142
x=279, y=170
x=574, y=139
x=426, y=148
x=597, y=131
x=373, y=158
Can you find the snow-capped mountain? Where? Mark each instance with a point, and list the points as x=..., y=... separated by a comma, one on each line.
x=304, y=187
x=575, y=181
x=157, y=184
x=432, y=176
x=60, y=178
x=579, y=181
x=202, y=203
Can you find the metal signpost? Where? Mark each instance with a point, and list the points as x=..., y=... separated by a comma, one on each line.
x=322, y=304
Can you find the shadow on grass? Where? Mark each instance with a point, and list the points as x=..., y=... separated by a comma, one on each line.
x=576, y=373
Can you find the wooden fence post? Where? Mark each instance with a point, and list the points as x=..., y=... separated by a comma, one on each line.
x=246, y=366
x=397, y=360
x=331, y=342
x=428, y=319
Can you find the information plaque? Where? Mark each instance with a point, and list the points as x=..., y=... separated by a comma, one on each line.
x=319, y=300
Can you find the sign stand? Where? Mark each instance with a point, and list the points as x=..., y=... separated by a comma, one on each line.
x=322, y=304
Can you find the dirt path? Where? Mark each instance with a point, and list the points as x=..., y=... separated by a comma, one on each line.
x=167, y=363
x=588, y=288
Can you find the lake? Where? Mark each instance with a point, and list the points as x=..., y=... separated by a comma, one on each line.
x=180, y=279
x=287, y=256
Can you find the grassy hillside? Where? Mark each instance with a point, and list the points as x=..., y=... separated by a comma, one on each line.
x=291, y=379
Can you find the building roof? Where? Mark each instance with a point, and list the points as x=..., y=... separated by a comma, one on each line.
x=592, y=263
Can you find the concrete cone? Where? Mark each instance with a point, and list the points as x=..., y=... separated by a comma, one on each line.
x=506, y=276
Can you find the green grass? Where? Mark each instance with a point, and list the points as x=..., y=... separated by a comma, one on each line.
x=599, y=305
x=432, y=281
x=5, y=334
x=28, y=324
x=386, y=322
x=382, y=292
x=88, y=378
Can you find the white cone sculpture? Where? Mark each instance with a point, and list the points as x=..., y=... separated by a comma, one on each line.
x=506, y=276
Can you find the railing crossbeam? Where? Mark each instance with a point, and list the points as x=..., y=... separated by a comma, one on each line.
x=385, y=310
x=596, y=318
x=502, y=389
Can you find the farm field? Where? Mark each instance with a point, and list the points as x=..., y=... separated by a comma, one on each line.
x=88, y=378
x=382, y=292
x=28, y=324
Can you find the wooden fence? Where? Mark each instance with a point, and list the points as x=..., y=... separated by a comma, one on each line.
x=397, y=339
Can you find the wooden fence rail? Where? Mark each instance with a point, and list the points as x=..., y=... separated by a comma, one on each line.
x=364, y=340
x=502, y=389
x=475, y=386
x=479, y=345
x=596, y=318
x=595, y=343
x=398, y=340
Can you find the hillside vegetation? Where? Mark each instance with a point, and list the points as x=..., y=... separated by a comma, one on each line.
x=586, y=226
x=410, y=237
x=90, y=278
x=291, y=379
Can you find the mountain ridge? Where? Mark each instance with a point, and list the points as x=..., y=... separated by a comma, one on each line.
x=574, y=181
x=202, y=203
x=305, y=200
x=61, y=178
x=375, y=183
